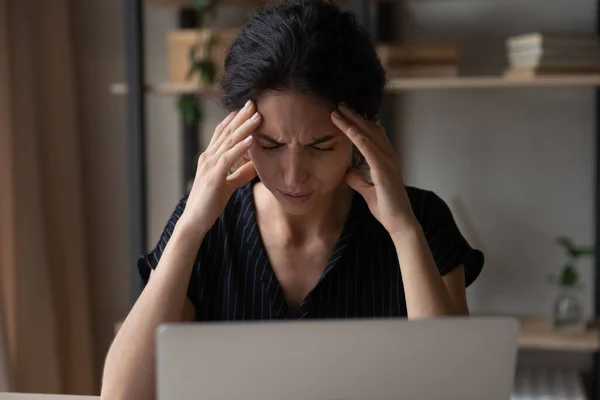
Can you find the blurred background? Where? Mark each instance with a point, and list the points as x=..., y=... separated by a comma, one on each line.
x=491, y=104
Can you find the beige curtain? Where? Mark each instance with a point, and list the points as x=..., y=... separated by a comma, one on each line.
x=44, y=289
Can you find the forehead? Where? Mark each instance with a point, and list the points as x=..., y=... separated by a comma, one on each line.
x=290, y=115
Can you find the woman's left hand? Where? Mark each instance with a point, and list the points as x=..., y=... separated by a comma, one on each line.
x=386, y=196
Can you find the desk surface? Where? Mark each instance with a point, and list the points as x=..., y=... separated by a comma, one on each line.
x=26, y=396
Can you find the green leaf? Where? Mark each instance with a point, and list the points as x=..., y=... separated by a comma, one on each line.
x=199, y=4
x=190, y=109
x=569, y=276
x=585, y=251
x=207, y=71
x=205, y=6
x=574, y=251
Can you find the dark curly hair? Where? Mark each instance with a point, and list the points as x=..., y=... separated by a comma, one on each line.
x=307, y=46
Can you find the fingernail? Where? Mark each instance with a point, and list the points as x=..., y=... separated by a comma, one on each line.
x=336, y=114
x=248, y=103
x=255, y=116
x=248, y=139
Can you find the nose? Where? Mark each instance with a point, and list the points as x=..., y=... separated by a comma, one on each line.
x=295, y=170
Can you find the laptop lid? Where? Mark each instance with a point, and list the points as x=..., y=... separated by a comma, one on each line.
x=444, y=358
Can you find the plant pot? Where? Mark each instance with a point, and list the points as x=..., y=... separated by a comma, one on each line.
x=568, y=309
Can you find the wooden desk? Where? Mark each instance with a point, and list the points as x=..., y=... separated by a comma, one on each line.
x=27, y=396
x=537, y=333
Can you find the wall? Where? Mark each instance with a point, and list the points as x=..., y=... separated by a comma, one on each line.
x=515, y=166
x=163, y=129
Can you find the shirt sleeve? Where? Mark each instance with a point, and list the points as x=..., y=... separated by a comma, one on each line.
x=149, y=261
x=447, y=244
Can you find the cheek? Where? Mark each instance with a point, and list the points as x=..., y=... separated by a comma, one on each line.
x=264, y=163
x=333, y=167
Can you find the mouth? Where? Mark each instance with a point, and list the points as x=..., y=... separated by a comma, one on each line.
x=295, y=198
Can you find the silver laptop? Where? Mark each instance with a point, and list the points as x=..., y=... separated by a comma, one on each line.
x=447, y=358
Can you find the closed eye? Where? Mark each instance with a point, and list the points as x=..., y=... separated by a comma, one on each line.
x=314, y=145
x=322, y=149
x=270, y=148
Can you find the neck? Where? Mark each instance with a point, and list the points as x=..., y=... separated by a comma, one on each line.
x=325, y=220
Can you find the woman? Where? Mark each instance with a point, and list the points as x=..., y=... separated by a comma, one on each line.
x=297, y=231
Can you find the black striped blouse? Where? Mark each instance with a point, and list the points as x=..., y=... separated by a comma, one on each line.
x=232, y=278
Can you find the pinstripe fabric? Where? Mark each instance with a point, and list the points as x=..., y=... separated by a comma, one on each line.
x=232, y=278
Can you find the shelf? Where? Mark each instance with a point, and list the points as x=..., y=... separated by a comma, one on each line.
x=490, y=82
x=406, y=84
x=170, y=89
x=186, y=3
x=537, y=333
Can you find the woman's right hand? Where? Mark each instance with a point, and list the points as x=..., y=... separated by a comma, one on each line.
x=212, y=187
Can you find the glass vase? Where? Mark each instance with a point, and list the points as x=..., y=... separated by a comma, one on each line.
x=568, y=310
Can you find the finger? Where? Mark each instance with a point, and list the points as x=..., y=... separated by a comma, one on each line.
x=241, y=117
x=376, y=132
x=221, y=127
x=227, y=159
x=240, y=134
x=354, y=117
x=363, y=143
x=358, y=182
x=242, y=175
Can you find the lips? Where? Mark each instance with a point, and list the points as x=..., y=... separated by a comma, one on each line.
x=299, y=194
x=295, y=198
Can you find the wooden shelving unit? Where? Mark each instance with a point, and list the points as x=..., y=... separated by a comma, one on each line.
x=402, y=85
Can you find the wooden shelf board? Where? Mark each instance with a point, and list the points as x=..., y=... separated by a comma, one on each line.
x=537, y=333
x=490, y=82
x=170, y=89
x=406, y=84
x=186, y=3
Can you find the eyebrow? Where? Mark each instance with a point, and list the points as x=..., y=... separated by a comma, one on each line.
x=316, y=142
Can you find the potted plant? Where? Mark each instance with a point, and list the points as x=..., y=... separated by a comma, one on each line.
x=201, y=67
x=196, y=55
x=568, y=307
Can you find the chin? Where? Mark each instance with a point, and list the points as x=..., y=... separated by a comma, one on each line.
x=305, y=209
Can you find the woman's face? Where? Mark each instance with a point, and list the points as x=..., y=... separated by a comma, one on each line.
x=300, y=155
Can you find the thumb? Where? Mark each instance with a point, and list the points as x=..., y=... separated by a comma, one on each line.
x=358, y=182
x=242, y=175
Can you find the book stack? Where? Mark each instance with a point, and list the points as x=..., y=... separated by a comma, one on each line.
x=418, y=61
x=538, y=54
